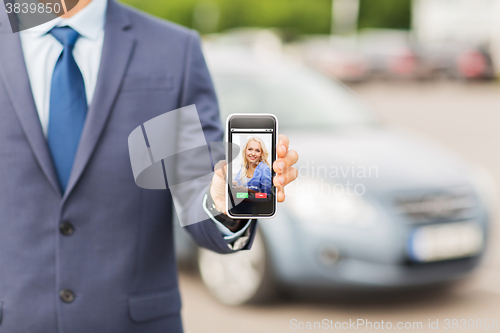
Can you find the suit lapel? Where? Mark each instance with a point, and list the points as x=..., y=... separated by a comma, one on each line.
x=15, y=77
x=117, y=52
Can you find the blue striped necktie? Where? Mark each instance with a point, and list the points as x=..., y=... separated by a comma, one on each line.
x=68, y=106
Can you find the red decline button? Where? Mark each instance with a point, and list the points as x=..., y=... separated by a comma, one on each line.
x=260, y=195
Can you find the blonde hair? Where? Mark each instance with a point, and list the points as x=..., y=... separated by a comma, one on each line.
x=244, y=162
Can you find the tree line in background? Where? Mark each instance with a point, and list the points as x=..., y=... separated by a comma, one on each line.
x=298, y=16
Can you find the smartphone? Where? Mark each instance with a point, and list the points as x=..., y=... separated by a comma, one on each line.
x=250, y=153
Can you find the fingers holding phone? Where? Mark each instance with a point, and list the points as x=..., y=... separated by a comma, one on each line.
x=285, y=172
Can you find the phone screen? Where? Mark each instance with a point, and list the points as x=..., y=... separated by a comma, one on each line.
x=251, y=192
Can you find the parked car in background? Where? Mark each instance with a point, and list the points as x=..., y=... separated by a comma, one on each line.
x=448, y=25
x=457, y=60
x=333, y=55
x=374, y=206
x=392, y=54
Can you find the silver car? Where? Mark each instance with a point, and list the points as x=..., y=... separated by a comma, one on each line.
x=374, y=206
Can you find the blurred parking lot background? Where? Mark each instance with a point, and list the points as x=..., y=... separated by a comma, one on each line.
x=462, y=116
x=357, y=40
x=430, y=66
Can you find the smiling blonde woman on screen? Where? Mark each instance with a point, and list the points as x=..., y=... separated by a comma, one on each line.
x=255, y=171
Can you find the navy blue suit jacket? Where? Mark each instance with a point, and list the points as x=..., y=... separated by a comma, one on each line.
x=120, y=260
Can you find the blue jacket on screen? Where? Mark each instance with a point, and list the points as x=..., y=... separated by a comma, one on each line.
x=261, y=180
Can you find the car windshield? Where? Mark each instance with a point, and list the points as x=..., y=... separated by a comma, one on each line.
x=299, y=98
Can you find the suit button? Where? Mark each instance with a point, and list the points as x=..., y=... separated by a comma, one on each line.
x=67, y=296
x=66, y=228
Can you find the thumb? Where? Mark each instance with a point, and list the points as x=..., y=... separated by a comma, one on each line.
x=217, y=190
x=220, y=169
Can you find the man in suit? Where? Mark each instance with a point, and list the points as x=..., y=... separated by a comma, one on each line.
x=82, y=248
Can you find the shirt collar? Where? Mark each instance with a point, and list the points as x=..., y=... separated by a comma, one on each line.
x=89, y=22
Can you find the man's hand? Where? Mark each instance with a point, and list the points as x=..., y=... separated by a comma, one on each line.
x=283, y=166
x=218, y=187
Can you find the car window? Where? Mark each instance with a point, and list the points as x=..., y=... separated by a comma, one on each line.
x=299, y=98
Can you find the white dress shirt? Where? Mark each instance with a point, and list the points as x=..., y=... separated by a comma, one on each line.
x=41, y=52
